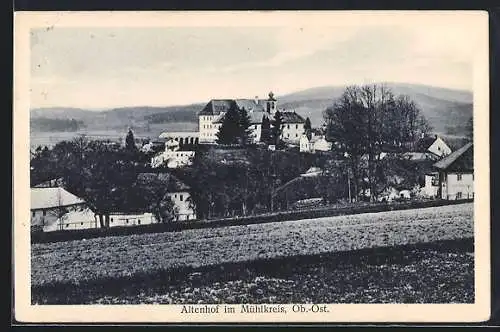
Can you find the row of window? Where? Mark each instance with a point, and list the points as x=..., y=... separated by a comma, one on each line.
x=183, y=154
x=206, y=118
x=187, y=140
x=210, y=126
x=288, y=126
x=181, y=197
x=255, y=126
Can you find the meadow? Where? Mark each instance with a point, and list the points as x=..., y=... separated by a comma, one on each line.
x=140, y=261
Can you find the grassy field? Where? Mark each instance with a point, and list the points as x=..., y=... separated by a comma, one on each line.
x=88, y=270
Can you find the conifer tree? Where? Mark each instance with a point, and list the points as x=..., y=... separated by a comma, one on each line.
x=265, y=133
x=229, y=132
x=244, y=127
x=276, y=128
x=130, y=141
x=308, y=127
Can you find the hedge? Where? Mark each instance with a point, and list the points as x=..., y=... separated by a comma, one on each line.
x=69, y=235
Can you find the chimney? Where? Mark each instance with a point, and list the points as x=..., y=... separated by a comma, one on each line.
x=256, y=100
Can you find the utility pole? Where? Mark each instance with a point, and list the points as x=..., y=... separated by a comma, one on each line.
x=349, y=185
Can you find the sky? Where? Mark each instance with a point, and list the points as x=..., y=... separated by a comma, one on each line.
x=104, y=67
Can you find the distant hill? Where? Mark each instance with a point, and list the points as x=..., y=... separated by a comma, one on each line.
x=446, y=109
x=141, y=118
x=59, y=125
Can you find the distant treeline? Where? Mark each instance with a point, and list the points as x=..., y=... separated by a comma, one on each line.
x=47, y=124
x=182, y=115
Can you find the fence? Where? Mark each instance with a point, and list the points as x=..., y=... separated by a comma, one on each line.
x=56, y=236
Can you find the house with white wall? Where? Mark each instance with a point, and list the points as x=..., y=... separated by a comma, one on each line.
x=172, y=156
x=456, y=174
x=176, y=190
x=50, y=206
x=313, y=144
x=430, y=185
x=433, y=145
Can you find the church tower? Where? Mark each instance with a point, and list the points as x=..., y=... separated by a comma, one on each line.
x=271, y=104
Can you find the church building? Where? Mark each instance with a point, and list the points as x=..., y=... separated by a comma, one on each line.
x=212, y=116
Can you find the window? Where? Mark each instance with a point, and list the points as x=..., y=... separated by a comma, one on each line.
x=175, y=195
x=288, y=126
x=139, y=221
x=296, y=135
x=181, y=197
x=435, y=181
x=67, y=225
x=111, y=219
x=44, y=213
x=33, y=214
x=459, y=177
x=459, y=195
x=126, y=221
x=296, y=126
x=255, y=126
x=81, y=223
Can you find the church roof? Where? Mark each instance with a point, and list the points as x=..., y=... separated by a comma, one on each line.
x=251, y=104
x=292, y=117
x=218, y=106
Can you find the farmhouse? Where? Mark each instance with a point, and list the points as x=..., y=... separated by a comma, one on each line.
x=50, y=205
x=428, y=148
x=430, y=185
x=170, y=186
x=315, y=143
x=212, y=116
x=456, y=174
x=434, y=145
x=52, y=183
x=172, y=157
x=130, y=219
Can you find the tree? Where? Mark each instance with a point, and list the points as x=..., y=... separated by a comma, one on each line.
x=130, y=141
x=229, y=131
x=244, y=127
x=345, y=124
x=367, y=120
x=154, y=189
x=60, y=211
x=265, y=132
x=308, y=127
x=276, y=128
